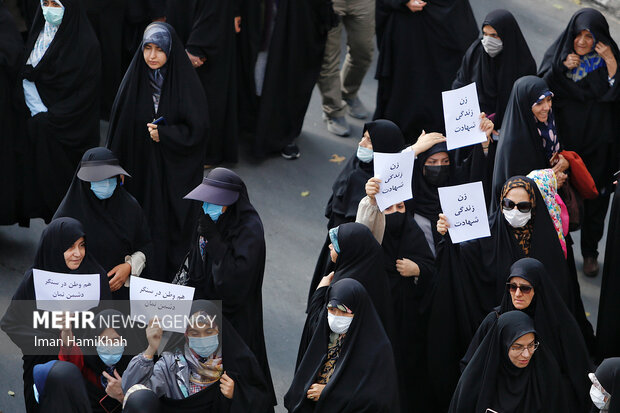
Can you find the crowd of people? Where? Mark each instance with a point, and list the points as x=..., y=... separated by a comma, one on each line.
x=399, y=317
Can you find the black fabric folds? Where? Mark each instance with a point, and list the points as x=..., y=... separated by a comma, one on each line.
x=608, y=375
x=162, y=172
x=11, y=45
x=64, y=390
x=492, y=381
x=607, y=332
x=364, y=379
x=116, y=226
x=59, y=235
x=67, y=79
x=232, y=270
x=349, y=189
x=555, y=325
x=412, y=74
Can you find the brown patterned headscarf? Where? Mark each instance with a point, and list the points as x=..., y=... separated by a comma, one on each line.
x=523, y=234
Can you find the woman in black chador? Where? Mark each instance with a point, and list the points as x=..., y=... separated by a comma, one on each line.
x=580, y=68
x=60, y=79
x=348, y=366
x=158, y=131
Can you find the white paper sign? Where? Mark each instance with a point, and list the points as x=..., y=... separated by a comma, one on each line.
x=65, y=292
x=466, y=210
x=461, y=114
x=170, y=303
x=395, y=171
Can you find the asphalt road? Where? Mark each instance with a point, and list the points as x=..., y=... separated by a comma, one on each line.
x=294, y=223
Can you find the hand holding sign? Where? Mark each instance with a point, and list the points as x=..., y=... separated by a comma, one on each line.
x=462, y=117
x=465, y=208
x=395, y=171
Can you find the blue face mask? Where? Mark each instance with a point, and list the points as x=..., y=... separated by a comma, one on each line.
x=110, y=355
x=214, y=211
x=204, y=346
x=364, y=154
x=103, y=189
x=36, y=393
x=333, y=237
x=53, y=15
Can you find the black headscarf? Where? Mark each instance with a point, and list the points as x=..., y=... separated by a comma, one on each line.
x=403, y=238
x=11, y=48
x=608, y=375
x=59, y=137
x=162, y=173
x=116, y=226
x=349, y=189
x=64, y=390
x=520, y=149
x=471, y=281
x=364, y=378
x=554, y=324
x=492, y=381
x=253, y=388
x=607, y=332
x=142, y=401
x=494, y=76
x=585, y=111
x=232, y=270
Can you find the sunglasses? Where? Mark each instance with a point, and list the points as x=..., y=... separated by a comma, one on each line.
x=525, y=206
x=525, y=289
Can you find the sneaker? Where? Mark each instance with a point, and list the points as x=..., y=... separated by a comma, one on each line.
x=356, y=108
x=590, y=266
x=290, y=151
x=337, y=125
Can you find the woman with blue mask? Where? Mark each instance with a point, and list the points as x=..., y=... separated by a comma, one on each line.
x=62, y=56
x=121, y=238
x=208, y=368
x=348, y=366
x=101, y=364
x=158, y=130
x=227, y=259
x=348, y=189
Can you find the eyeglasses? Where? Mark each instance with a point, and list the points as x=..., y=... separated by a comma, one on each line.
x=525, y=289
x=519, y=349
x=525, y=206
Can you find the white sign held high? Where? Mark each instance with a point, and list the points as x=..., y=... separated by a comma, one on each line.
x=461, y=113
x=169, y=303
x=395, y=171
x=65, y=292
x=465, y=207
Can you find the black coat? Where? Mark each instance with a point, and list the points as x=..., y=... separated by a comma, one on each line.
x=162, y=172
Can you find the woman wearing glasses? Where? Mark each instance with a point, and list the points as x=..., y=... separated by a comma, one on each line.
x=528, y=290
x=511, y=372
x=472, y=275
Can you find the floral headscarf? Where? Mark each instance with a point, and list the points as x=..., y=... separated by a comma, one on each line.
x=523, y=234
x=547, y=185
x=43, y=41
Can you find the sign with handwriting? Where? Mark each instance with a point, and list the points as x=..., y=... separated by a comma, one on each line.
x=466, y=210
x=56, y=291
x=461, y=114
x=169, y=303
x=395, y=171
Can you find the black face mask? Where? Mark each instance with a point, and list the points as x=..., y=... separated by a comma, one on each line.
x=437, y=175
x=394, y=223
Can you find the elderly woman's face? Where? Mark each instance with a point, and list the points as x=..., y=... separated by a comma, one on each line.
x=583, y=43
x=75, y=254
x=521, y=351
x=541, y=109
x=521, y=299
x=154, y=57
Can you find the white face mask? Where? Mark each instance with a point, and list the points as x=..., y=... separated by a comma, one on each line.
x=492, y=45
x=339, y=324
x=598, y=398
x=516, y=218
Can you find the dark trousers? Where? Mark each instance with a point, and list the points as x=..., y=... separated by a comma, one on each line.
x=592, y=227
